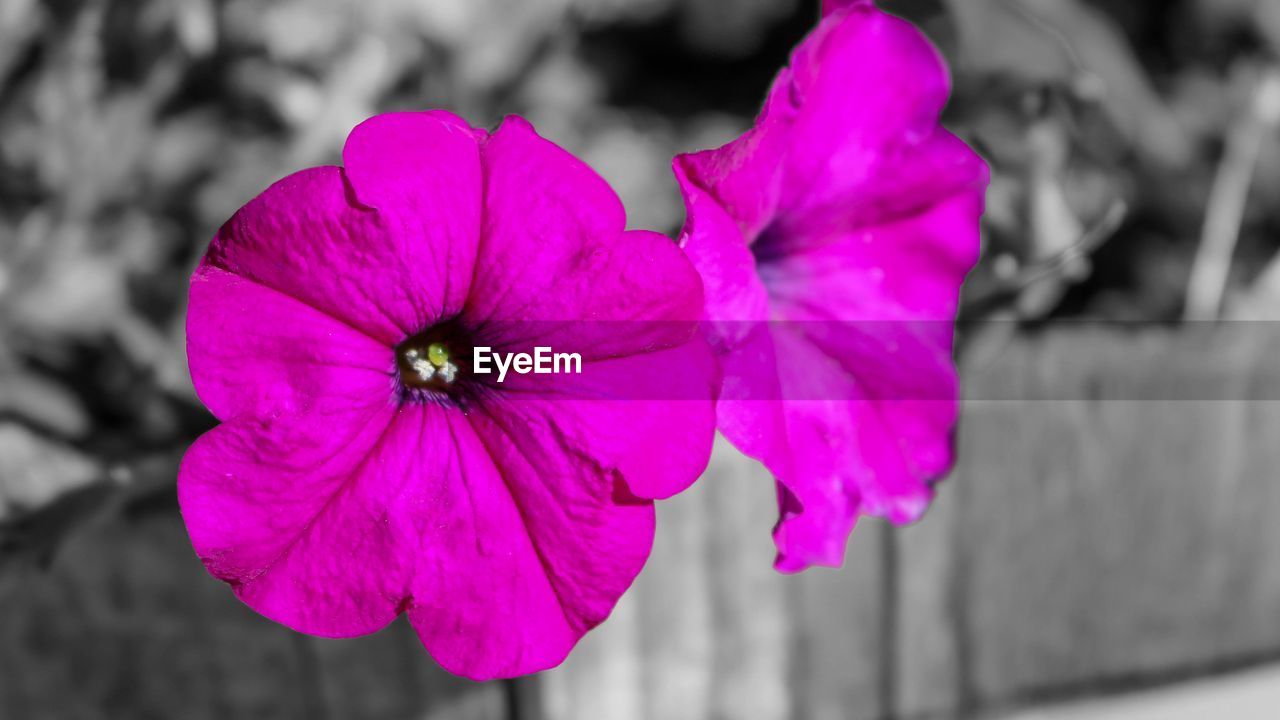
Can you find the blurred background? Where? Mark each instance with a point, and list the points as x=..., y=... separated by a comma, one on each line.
x=1111, y=527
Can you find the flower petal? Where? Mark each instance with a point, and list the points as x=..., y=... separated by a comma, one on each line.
x=650, y=418
x=256, y=351
x=524, y=551
x=905, y=182
x=391, y=269
x=870, y=322
x=849, y=135
x=292, y=512
x=902, y=271
x=421, y=171
x=556, y=266
x=503, y=546
x=718, y=251
x=744, y=176
x=737, y=316
x=866, y=90
x=888, y=453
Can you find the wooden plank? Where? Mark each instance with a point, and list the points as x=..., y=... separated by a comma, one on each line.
x=749, y=603
x=931, y=655
x=1118, y=540
x=654, y=654
x=838, y=671
x=714, y=632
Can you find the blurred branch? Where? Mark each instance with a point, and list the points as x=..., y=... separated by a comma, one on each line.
x=1228, y=200
x=1084, y=77
x=1009, y=288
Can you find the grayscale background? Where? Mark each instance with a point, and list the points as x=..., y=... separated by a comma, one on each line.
x=1108, y=547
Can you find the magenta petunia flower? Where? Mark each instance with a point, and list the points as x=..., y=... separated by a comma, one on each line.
x=365, y=466
x=832, y=239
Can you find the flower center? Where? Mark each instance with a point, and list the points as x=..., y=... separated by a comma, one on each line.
x=432, y=363
x=430, y=366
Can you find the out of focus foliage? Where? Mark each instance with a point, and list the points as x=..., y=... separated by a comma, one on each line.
x=130, y=130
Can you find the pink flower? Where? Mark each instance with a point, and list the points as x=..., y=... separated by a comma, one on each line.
x=363, y=468
x=832, y=239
